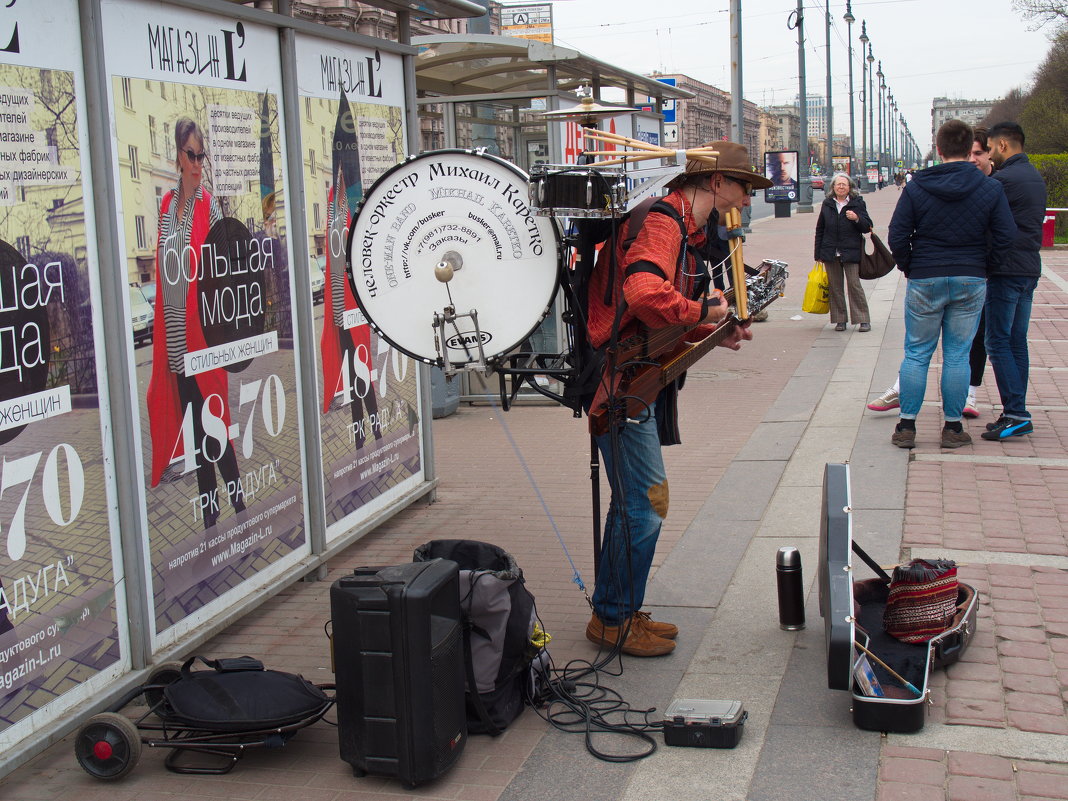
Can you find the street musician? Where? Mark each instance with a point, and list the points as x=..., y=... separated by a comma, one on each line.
x=657, y=282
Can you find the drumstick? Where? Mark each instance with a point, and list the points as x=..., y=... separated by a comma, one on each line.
x=653, y=154
x=594, y=134
x=890, y=670
x=616, y=139
x=628, y=143
x=629, y=159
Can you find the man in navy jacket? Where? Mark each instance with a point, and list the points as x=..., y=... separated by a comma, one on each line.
x=1013, y=277
x=939, y=238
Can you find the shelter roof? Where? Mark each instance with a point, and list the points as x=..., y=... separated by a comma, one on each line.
x=483, y=64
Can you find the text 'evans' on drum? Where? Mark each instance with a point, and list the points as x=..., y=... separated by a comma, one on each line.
x=577, y=191
x=452, y=228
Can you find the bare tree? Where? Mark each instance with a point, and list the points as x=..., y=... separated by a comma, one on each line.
x=1008, y=108
x=1043, y=12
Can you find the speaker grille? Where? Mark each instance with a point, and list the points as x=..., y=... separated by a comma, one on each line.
x=443, y=659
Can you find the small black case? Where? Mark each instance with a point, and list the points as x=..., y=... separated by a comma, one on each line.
x=704, y=724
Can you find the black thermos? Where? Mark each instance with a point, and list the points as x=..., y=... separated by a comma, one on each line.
x=791, y=597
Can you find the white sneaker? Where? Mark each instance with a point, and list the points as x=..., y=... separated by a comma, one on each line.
x=885, y=402
x=970, y=409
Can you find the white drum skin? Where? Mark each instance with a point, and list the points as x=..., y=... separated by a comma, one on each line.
x=453, y=228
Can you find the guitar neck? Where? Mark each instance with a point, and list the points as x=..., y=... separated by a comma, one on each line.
x=673, y=369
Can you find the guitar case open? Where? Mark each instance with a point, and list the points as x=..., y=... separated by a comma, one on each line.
x=852, y=610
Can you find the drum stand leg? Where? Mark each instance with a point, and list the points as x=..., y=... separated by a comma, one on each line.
x=595, y=486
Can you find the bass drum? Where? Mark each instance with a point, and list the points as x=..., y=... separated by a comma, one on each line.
x=470, y=212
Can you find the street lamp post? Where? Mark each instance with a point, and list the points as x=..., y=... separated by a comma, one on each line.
x=890, y=127
x=864, y=100
x=871, y=102
x=882, y=88
x=804, y=170
x=849, y=20
x=830, y=116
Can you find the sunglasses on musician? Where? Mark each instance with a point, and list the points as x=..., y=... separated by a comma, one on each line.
x=745, y=185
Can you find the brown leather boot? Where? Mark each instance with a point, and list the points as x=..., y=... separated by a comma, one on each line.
x=640, y=641
x=669, y=631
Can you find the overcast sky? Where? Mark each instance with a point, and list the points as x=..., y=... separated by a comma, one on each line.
x=929, y=48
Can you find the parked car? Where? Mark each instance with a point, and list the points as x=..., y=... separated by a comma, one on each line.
x=141, y=316
x=817, y=182
x=149, y=291
x=318, y=278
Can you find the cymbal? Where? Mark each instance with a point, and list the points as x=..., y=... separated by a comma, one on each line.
x=587, y=109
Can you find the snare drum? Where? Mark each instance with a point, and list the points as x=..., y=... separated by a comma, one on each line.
x=577, y=191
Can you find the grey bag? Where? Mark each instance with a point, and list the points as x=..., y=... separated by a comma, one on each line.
x=499, y=617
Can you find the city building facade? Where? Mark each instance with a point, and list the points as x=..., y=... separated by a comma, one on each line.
x=707, y=116
x=970, y=111
x=789, y=126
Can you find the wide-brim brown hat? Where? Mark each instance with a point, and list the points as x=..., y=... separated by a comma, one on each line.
x=733, y=160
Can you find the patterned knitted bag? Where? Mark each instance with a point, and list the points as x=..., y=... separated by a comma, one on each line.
x=923, y=600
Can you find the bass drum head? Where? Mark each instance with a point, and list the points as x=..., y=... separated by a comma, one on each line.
x=469, y=211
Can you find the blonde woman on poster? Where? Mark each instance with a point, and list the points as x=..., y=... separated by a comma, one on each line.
x=186, y=215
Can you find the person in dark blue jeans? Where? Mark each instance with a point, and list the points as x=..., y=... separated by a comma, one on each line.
x=946, y=223
x=1012, y=280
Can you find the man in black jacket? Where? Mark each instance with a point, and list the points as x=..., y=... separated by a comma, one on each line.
x=1012, y=280
x=939, y=238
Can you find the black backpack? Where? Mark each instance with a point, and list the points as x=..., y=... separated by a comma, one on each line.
x=591, y=233
x=499, y=619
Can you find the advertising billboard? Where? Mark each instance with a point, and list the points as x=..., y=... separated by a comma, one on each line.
x=201, y=200
x=62, y=624
x=780, y=167
x=352, y=131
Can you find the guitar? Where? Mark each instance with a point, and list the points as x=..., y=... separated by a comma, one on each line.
x=641, y=365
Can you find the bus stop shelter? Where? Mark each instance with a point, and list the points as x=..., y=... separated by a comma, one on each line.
x=477, y=90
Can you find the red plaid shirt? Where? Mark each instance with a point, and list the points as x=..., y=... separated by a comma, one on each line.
x=657, y=302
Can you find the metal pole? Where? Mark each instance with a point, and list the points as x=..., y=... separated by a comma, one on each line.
x=865, y=99
x=315, y=522
x=882, y=88
x=737, y=130
x=118, y=377
x=849, y=20
x=830, y=115
x=804, y=170
x=871, y=104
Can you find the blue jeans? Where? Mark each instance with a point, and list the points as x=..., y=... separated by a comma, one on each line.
x=634, y=465
x=949, y=306
x=1008, y=313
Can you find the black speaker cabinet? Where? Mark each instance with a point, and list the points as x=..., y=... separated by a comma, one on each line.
x=399, y=669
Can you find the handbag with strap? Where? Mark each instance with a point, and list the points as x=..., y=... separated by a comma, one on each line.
x=877, y=263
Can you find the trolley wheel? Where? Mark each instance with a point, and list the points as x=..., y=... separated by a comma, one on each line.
x=159, y=678
x=108, y=746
